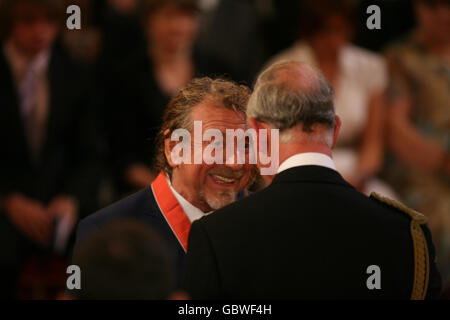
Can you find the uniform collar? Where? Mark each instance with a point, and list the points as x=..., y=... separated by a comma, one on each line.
x=307, y=159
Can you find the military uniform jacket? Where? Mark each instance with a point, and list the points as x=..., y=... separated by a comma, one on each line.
x=311, y=235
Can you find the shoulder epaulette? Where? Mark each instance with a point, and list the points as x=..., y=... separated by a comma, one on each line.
x=421, y=255
x=415, y=215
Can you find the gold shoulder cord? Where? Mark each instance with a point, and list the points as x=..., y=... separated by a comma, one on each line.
x=421, y=255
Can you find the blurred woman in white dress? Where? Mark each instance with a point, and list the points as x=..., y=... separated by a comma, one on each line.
x=359, y=78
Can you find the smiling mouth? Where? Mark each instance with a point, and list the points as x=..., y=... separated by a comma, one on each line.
x=223, y=180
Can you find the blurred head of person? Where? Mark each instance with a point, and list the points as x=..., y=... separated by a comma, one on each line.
x=433, y=20
x=327, y=24
x=171, y=25
x=219, y=105
x=125, y=7
x=31, y=25
x=297, y=100
x=125, y=260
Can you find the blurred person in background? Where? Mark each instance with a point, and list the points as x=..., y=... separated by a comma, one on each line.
x=126, y=260
x=50, y=160
x=110, y=32
x=145, y=83
x=393, y=24
x=122, y=32
x=245, y=33
x=262, y=28
x=236, y=31
x=85, y=44
x=359, y=79
x=419, y=131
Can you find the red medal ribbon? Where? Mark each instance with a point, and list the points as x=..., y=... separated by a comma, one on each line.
x=171, y=209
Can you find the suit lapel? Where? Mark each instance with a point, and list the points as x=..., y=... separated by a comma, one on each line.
x=172, y=211
x=14, y=120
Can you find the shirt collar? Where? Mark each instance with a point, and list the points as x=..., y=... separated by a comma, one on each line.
x=307, y=159
x=19, y=63
x=192, y=212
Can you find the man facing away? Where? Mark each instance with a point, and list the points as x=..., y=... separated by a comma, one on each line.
x=185, y=191
x=309, y=234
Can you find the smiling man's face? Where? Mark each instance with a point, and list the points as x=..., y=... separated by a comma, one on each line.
x=212, y=186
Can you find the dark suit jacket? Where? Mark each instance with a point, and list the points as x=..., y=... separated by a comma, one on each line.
x=140, y=206
x=71, y=152
x=309, y=235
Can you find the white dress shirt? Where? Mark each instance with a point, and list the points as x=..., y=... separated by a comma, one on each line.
x=193, y=213
x=31, y=81
x=307, y=159
x=20, y=65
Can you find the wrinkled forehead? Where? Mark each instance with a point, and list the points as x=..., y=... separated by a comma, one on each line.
x=214, y=115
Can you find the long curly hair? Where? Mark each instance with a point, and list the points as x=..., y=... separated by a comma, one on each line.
x=177, y=114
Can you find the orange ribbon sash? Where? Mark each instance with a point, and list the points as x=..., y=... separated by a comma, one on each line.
x=171, y=209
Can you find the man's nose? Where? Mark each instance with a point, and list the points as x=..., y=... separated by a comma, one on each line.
x=233, y=161
x=234, y=166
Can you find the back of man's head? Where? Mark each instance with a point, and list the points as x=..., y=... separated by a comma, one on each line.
x=291, y=94
x=125, y=260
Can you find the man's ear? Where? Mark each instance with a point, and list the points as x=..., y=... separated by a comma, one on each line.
x=256, y=125
x=337, y=127
x=168, y=146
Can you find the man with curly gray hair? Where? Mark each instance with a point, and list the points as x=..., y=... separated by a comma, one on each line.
x=184, y=192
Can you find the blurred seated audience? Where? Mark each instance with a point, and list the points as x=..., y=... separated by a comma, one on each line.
x=359, y=79
x=419, y=131
x=126, y=260
x=144, y=84
x=50, y=161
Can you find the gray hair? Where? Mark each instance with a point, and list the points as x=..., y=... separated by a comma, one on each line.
x=291, y=93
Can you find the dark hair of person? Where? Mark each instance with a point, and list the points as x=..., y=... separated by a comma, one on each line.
x=8, y=12
x=313, y=13
x=125, y=260
x=150, y=6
